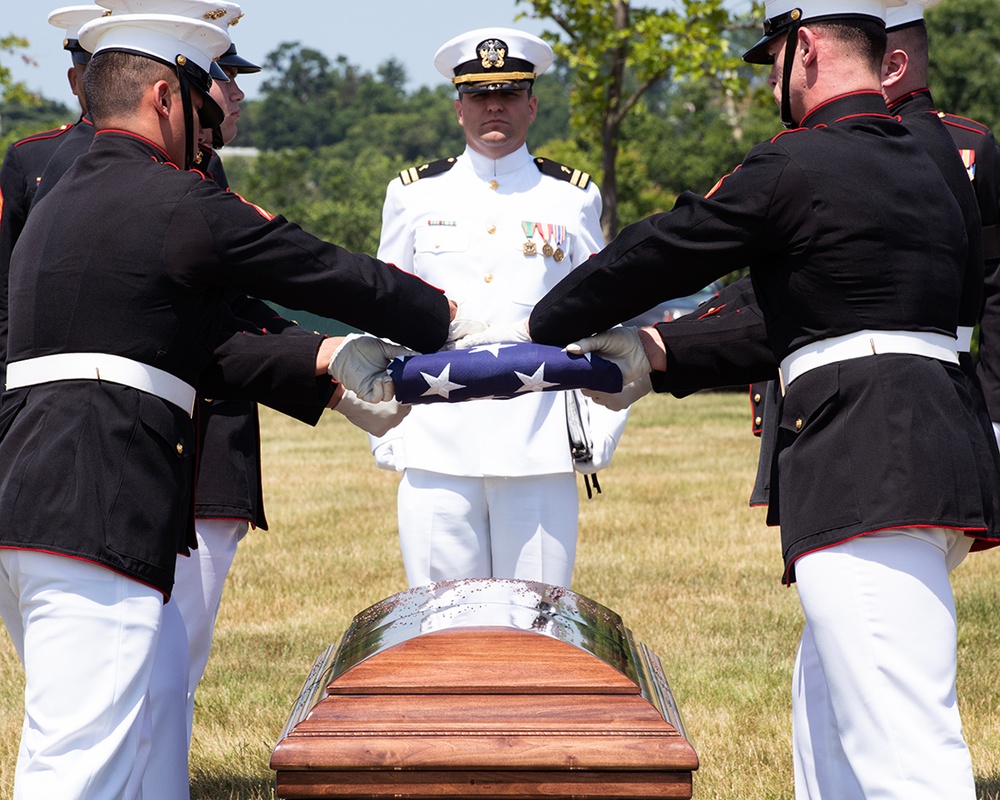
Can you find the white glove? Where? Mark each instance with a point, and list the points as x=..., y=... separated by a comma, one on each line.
x=500, y=334
x=374, y=418
x=462, y=326
x=389, y=455
x=621, y=346
x=619, y=401
x=360, y=364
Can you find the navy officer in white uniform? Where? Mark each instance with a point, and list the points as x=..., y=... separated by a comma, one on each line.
x=488, y=486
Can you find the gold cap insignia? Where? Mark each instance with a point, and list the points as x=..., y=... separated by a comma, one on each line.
x=492, y=53
x=219, y=13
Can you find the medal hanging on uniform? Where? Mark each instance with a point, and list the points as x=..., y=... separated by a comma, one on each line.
x=547, y=248
x=559, y=255
x=530, y=248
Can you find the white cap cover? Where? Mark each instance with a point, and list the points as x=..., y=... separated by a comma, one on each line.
x=912, y=12
x=71, y=18
x=162, y=36
x=218, y=12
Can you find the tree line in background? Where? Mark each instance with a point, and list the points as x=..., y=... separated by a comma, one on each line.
x=650, y=102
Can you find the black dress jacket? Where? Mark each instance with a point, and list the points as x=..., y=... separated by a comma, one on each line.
x=20, y=177
x=847, y=224
x=130, y=256
x=228, y=472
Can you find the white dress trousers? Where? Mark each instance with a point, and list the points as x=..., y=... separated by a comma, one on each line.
x=87, y=638
x=459, y=527
x=189, y=625
x=874, y=707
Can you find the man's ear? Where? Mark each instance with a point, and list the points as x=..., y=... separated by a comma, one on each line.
x=894, y=67
x=74, y=84
x=161, y=97
x=807, y=45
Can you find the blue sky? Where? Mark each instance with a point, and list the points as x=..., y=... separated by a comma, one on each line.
x=367, y=33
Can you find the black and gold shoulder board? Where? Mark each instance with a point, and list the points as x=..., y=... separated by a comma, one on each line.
x=556, y=170
x=414, y=174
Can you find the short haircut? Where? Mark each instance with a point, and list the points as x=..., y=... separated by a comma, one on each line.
x=913, y=40
x=115, y=82
x=864, y=37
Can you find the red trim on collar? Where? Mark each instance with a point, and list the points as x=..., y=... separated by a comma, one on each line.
x=828, y=101
x=907, y=96
x=136, y=136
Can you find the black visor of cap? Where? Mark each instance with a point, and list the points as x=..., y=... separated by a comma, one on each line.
x=77, y=53
x=234, y=60
x=773, y=28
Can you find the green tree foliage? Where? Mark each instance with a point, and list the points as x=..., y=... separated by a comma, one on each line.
x=336, y=199
x=9, y=88
x=23, y=118
x=618, y=52
x=964, y=38
x=311, y=102
x=22, y=112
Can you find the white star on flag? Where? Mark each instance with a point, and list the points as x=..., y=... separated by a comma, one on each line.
x=494, y=348
x=440, y=385
x=534, y=383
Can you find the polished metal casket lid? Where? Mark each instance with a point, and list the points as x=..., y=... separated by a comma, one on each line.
x=487, y=602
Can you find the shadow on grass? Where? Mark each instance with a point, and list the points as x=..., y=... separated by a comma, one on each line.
x=988, y=788
x=227, y=786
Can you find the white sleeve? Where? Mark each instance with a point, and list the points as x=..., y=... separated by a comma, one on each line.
x=591, y=235
x=396, y=240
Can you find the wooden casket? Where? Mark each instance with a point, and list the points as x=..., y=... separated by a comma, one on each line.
x=485, y=688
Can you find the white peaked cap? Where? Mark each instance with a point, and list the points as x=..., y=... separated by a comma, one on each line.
x=218, y=12
x=912, y=12
x=160, y=36
x=500, y=57
x=71, y=18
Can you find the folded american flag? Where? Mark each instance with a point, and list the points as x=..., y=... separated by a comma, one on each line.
x=498, y=371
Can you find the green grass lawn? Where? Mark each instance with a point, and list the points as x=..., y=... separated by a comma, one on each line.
x=670, y=545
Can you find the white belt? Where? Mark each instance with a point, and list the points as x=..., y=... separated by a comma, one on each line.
x=867, y=343
x=964, y=336
x=102, y=367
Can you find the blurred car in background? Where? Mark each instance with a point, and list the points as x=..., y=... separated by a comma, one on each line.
x=672, y=309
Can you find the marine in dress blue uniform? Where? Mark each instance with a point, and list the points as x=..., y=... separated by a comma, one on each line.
x=857, y=290
x=488, y=487
x=98, y=449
